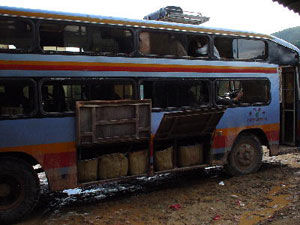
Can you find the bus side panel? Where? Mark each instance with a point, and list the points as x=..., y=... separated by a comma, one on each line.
x=51, y=141
x=265, y=118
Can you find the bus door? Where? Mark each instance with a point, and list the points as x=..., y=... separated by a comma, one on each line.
x=288, y=106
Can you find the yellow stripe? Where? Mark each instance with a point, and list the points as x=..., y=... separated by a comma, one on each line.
x=127, y=23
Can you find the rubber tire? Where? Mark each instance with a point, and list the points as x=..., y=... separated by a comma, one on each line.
x=233, y=168
x=30, y=189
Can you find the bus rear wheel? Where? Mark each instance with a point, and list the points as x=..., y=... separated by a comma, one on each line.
x=245, y=156
x=19, y=189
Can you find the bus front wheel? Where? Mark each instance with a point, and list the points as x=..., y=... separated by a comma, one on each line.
x=19, y=189
x=245, y=156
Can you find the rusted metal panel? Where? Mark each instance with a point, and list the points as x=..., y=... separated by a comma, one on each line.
x=112, y=121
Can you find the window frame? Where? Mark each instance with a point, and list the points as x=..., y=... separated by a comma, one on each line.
x=253, y=59
x=84, y=81
x=35, y=99
x=264, y=59
x=33, y=38
x=233, y=79
x=88, y=26
x=183, y=33
x=156, y=109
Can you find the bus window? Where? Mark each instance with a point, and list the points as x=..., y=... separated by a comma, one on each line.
x=248, y=49
x=240, y=49
x=17, y=97
x=176, y=93
x=224, y=46
x=15, y=35
x=162, y=44
x=227, y=90
x=110, y=40
x=60, y=37
x=60, y=96
x=79, y=39
x=259, y=94
x=112, y=90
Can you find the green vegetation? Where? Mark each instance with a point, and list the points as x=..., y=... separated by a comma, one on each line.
x=291, y=35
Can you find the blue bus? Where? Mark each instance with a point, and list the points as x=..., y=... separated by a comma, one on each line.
x=95, y=99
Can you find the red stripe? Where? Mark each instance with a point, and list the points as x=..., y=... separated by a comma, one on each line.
x=136, y=69
x=273, y=135
x=226, y=141
x=59, y=160
x=219, y=142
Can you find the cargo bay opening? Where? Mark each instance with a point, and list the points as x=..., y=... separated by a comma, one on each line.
x=114, y=139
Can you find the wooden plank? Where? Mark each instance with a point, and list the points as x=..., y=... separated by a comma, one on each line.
x=109, y=122
x=83, y=134
x=112, y=121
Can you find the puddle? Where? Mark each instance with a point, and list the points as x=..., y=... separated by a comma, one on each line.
x=278, y=201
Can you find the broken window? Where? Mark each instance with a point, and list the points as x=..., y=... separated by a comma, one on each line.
x=61, y=95
x=112, y=90
x=60, y=37
x=162, y=44
x=175, y=93
x=85, y=39
x=240, y=49
x=168, y=44
x=15, y=35
x=17, y=97
x=110, y=40
x=253, y=91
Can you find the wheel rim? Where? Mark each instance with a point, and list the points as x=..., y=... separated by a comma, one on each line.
x=244, y=156
x=11, y=191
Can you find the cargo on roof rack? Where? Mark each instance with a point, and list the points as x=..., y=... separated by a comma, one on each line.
x=176, y=14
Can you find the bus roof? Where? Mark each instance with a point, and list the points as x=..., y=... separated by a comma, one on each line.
x=87, y=18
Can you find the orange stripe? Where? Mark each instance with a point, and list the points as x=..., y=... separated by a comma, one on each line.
x=42, y=149
x=131, y=65
x=236, y=130
x=126, y=23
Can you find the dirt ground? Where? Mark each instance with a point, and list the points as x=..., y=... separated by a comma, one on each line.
x=270, y=196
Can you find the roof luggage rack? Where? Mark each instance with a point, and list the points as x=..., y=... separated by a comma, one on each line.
x=177, y=15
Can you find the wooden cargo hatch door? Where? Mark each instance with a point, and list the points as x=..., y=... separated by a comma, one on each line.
x=112, y=121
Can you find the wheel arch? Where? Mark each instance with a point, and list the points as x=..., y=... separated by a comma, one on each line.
x=259, y=133
x=20, y=155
